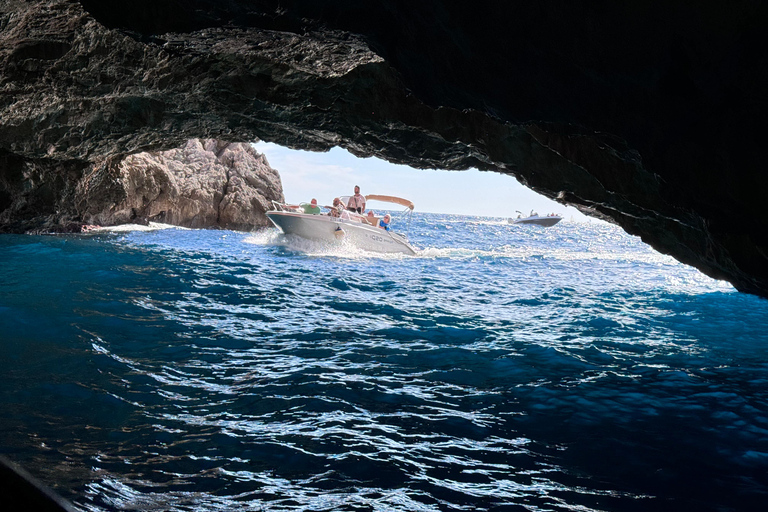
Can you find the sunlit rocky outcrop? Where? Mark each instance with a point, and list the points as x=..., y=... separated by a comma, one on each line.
x=204, y=184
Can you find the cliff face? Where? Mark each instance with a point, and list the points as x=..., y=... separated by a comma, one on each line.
x=646, y=114
x=207, y=183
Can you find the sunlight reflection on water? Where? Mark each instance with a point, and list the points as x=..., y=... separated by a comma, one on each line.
x=561, y=369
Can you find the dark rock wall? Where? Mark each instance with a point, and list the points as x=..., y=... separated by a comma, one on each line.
x=646, y=113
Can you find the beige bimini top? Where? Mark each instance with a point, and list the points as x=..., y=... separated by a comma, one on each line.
x=390, y=199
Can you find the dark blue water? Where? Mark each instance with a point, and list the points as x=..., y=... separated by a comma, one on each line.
x=503, y=368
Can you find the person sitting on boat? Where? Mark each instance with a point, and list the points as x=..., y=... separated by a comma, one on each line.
x=356, y=203
x=337, y=210
x=384, y=223
x=312, y=207
x=372, y=218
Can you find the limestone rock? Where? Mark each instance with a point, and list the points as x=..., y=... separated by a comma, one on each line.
x=207, y=183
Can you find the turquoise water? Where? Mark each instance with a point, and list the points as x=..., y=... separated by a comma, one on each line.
x=502, y=368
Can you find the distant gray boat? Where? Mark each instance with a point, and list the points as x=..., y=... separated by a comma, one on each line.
x=536, y=219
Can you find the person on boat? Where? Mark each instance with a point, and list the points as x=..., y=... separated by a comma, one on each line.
x=356, y=203
x=384, y=223
x=337, y=210
x=312, y=207
x=372, y=218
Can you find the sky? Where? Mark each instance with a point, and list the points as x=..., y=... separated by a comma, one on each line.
x=307, y=174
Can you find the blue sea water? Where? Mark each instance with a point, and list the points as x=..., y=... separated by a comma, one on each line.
x=502, y=368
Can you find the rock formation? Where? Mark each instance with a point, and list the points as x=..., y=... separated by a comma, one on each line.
x=207, y=183
x=647, y=114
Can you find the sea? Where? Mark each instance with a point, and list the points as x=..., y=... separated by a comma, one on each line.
x=501, y=368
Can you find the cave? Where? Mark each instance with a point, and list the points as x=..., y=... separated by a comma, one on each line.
x=644, y=114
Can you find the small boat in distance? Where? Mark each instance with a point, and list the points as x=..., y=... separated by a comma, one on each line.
x=536, y=219
x=359, y=230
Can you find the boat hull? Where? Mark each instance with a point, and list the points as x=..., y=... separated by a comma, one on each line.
x=538, y=221
x=328, y=229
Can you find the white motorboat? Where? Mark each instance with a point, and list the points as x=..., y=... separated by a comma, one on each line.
x=348, y=227
x=536, y=219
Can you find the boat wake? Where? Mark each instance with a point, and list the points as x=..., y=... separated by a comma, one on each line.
x=529, y=253
x=314, y=248
x=124, y=228
x=263, y=237
x=490, y=222
x=344, y=249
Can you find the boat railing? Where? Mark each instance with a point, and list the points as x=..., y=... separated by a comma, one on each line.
x=401, y=236
x=284, y=207
x=277, y=206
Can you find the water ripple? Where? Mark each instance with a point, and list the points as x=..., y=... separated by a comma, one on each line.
x=500, y=368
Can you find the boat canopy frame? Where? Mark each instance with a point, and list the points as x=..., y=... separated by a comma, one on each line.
x=390, y=199
x=405, y=214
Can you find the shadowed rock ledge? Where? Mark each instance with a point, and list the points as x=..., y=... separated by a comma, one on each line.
x=648, y=114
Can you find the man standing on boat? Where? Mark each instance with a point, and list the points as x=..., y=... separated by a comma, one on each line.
x=356, y=203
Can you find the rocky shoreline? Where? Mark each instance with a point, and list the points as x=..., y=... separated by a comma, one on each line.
x=204, y=184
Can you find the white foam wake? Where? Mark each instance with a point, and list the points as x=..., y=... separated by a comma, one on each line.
x=336, y=249
x=123, y=228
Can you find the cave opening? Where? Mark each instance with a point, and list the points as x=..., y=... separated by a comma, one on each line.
x=324, y=175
